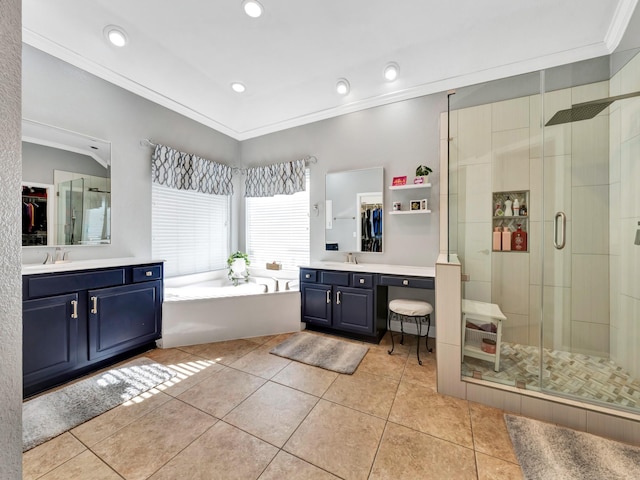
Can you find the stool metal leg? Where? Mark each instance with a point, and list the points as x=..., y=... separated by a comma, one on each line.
x=419, y=329
x=426, y=339
x=389, y=314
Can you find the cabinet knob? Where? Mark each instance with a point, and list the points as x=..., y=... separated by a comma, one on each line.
x=362, y=280
x=405, y=282
x=308, y=275
x=148, y=274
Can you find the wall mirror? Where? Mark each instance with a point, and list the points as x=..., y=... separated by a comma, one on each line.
x=66, y=187
x=354, y=210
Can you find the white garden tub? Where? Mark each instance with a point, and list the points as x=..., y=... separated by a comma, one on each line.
x=207, y=308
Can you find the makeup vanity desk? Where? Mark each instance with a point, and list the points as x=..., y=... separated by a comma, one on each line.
x=351, y=299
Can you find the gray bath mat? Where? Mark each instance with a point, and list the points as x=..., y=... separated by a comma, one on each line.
x=546, y=451
x=324, y=352
x=51, y=414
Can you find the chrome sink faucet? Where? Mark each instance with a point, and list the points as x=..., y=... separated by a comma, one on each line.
x=351, y=258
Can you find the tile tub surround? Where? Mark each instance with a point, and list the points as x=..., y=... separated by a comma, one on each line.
x=227, y=412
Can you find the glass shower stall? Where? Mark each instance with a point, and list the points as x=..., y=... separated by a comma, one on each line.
x=545, y=219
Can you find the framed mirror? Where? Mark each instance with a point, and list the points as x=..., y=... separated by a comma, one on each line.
x=354, y=210
x=66, y=187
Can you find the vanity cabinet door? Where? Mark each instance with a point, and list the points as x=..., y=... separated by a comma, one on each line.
x=49, y=337
x=316, y=303
x=353, y=310
x=121, y=318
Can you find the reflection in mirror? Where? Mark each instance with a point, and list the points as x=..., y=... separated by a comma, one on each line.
x=66, y=187
x=354, y=210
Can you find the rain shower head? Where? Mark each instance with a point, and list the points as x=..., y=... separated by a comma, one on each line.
x=586, y=110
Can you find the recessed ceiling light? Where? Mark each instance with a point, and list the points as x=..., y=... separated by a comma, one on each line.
x=253, y=8
x=342, y=87
x=391, y=71
x=238, y=87
x=116, y=35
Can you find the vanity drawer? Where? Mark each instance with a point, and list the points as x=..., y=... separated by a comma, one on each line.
x=309, y=276
x=415, y=282
x=49, y=285
x=335, y=278
x=363, y=280
x=144, y=274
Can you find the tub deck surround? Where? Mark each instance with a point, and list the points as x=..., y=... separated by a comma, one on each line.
x=206, y=307
x=351, y=299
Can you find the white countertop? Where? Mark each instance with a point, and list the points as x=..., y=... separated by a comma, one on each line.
x=34, y=268
x=375, y=268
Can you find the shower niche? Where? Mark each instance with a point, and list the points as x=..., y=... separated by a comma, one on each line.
x=510, y=213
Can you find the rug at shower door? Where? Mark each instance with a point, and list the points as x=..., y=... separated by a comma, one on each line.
x=54, y=413
x=546, y=451
x=328, y=353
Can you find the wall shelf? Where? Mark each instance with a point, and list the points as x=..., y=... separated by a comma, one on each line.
x=410, y=186
x=408, y=212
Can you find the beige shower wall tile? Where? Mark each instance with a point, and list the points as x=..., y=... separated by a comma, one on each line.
x=510, y=282
x=590, y=292
x=590, y=152
x=510, y=114
x=589, y=92
x=590, y=338
x=475, y=200
x=474, y=135
x=590, y=224
x=510, y=156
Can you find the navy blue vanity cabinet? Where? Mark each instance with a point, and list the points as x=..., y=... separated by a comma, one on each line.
x=76, y=322
x=50, y=337
x=339, y=302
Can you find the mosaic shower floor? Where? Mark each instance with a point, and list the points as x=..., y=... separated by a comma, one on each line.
x=585, y=376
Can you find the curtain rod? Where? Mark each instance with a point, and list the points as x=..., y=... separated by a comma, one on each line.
x=309, y=159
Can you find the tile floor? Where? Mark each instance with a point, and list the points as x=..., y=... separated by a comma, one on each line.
x=236, y=412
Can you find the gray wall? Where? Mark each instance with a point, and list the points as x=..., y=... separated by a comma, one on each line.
x=398, y=137
x=62, y=95
x=39, y=162
x=10, y=280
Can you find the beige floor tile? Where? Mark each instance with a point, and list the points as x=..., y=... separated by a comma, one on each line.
x=108, y=423
x=491, y=468
x=307, y=378
x=272, y=413
x=261, y=340
x=490, y=435
x=140, y=448
x=365, y=392
x=189, y=372
x=261, y=363
x=84, y=466
x=418, y=407
x=222, y=352
x=278, y=339
x=286, y=466
x=44, y=458
x=221, y=393
x=224, y=452
x=337, y=439
x=407, y=454
x=425, y=374
x=379, y=362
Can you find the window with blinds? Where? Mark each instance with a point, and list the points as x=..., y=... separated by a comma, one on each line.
x=277, y=229
x=190, y=230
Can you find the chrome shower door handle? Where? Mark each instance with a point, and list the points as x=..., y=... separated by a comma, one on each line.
x=560, y=243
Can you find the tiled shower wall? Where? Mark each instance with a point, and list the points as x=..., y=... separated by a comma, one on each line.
x=497, y=147
x=625, y=215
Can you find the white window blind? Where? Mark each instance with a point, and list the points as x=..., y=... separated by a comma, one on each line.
x=278, y=229
x=190, y=230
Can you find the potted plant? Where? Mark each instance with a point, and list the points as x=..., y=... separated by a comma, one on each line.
x=422, y=172
x=238, y=263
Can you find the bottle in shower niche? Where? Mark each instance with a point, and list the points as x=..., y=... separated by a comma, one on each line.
x=519, y=240
x=506, y=239
x=497, y=239
x=508, y=209
x=516, y=207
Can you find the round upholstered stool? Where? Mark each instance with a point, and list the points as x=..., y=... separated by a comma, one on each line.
x=416, y=311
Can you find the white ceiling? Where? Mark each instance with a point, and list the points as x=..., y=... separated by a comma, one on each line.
x=185, y=54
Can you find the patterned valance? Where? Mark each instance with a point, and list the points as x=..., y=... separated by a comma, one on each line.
x=277, y=179
x=185, y=171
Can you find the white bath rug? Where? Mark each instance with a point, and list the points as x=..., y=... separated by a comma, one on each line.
x=52, y=414
x=324, y=352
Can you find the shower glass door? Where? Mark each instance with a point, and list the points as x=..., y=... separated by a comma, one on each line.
x=589, y=262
